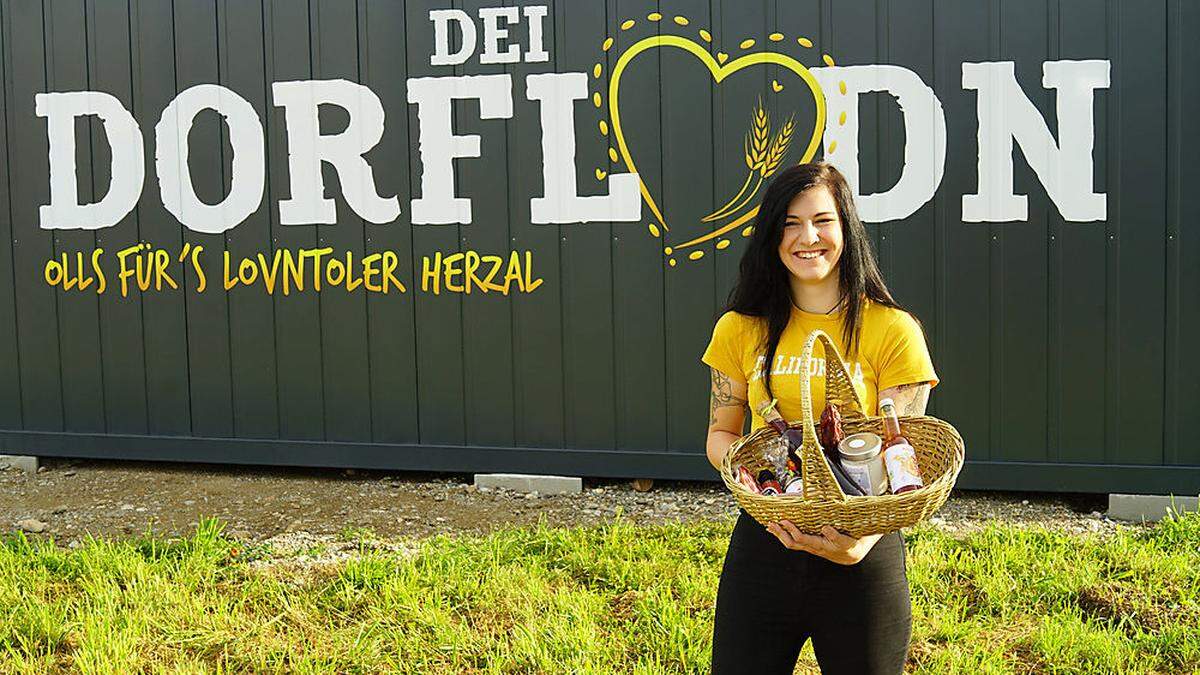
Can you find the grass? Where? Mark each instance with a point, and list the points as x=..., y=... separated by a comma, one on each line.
x=618, y=598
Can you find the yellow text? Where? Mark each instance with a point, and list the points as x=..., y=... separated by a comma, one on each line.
x=477, y=271
x=310, y=268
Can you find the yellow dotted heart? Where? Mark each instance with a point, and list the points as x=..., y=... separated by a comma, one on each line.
x=600, y=174
x=720, y=70
x=776, y=87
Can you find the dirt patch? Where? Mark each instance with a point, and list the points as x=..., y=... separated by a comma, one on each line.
x=1129, y=608
x=74, y=498
x=110, y=498
x=621, y=605
x=1096, y=603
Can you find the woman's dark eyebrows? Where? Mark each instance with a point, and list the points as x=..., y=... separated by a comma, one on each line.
x=792, y=216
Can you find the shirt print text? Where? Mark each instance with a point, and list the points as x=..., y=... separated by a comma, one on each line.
x=790, y=365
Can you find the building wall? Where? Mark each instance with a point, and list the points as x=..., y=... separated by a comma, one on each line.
x=1061, y=344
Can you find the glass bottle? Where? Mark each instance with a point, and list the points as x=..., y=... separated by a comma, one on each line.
x=898, y=454
x=792, y=438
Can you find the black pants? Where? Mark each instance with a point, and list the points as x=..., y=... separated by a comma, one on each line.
x=771, y=599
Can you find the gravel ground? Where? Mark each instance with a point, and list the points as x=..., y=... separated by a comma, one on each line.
x=298, y=508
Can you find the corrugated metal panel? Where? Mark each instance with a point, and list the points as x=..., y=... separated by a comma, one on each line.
x=1063, y=346
x=1183, y=238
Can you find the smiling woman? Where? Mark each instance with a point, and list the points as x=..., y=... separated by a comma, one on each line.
x=812, y=240
x=810, y=266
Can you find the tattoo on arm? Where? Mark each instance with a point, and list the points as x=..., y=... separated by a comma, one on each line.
x=722, y=395
x=911, y=399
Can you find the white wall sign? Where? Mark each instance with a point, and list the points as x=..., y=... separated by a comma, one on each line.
x=1004, y=115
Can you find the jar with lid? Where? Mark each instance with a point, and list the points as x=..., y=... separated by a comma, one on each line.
x=860, y=455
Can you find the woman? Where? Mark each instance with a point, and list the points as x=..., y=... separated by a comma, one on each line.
x=809, y=265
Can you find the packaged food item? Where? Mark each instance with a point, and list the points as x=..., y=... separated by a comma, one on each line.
x=770, y=486
x=776, y=455
x=898, y=453
x=792, y=438
x=862, y=460
x=746, y=478
x=830, y=429
x=795, y=486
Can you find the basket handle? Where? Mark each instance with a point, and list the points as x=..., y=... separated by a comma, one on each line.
x=819, y=482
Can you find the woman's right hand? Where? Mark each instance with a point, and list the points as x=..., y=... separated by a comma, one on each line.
x=726, y=415
x=831, y=544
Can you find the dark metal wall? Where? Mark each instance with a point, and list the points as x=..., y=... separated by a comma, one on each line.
x=1062, y=346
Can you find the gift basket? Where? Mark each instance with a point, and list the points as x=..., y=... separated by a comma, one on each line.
x=820, y=498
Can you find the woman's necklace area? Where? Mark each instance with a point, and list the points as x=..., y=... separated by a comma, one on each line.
x=837, y=305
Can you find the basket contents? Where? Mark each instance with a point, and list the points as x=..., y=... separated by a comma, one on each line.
x=830, y=435
x=746, y=478
x=767, y=484
x=898, y=453
x=766, y=481
x=792, y=439
x=795, y=486
x=863, y=463
x=795, y=438
x=830, y=430
x=785, y=472
x=861, y=459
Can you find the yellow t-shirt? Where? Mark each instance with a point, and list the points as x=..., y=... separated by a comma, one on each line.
x=892, y=351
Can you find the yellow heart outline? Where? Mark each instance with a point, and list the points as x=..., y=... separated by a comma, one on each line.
x=719, y=72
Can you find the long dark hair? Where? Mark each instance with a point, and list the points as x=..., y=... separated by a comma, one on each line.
x=762, y=288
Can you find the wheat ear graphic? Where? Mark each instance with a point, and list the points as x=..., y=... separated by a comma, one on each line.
x=767, y=159
x=760, y=131
x=756, y=148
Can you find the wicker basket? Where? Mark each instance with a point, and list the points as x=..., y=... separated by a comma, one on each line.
x=938, y=445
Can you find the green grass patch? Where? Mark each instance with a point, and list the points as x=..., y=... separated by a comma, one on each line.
x=617, y=598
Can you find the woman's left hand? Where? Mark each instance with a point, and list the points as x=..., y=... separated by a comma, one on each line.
x=830, y=544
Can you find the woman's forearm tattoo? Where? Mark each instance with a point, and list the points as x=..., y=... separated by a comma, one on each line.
x=911, y=399
x=722, y=395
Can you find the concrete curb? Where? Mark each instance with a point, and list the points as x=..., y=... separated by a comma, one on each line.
x=1151, y=508
x=25, y=463
x=520, y=482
